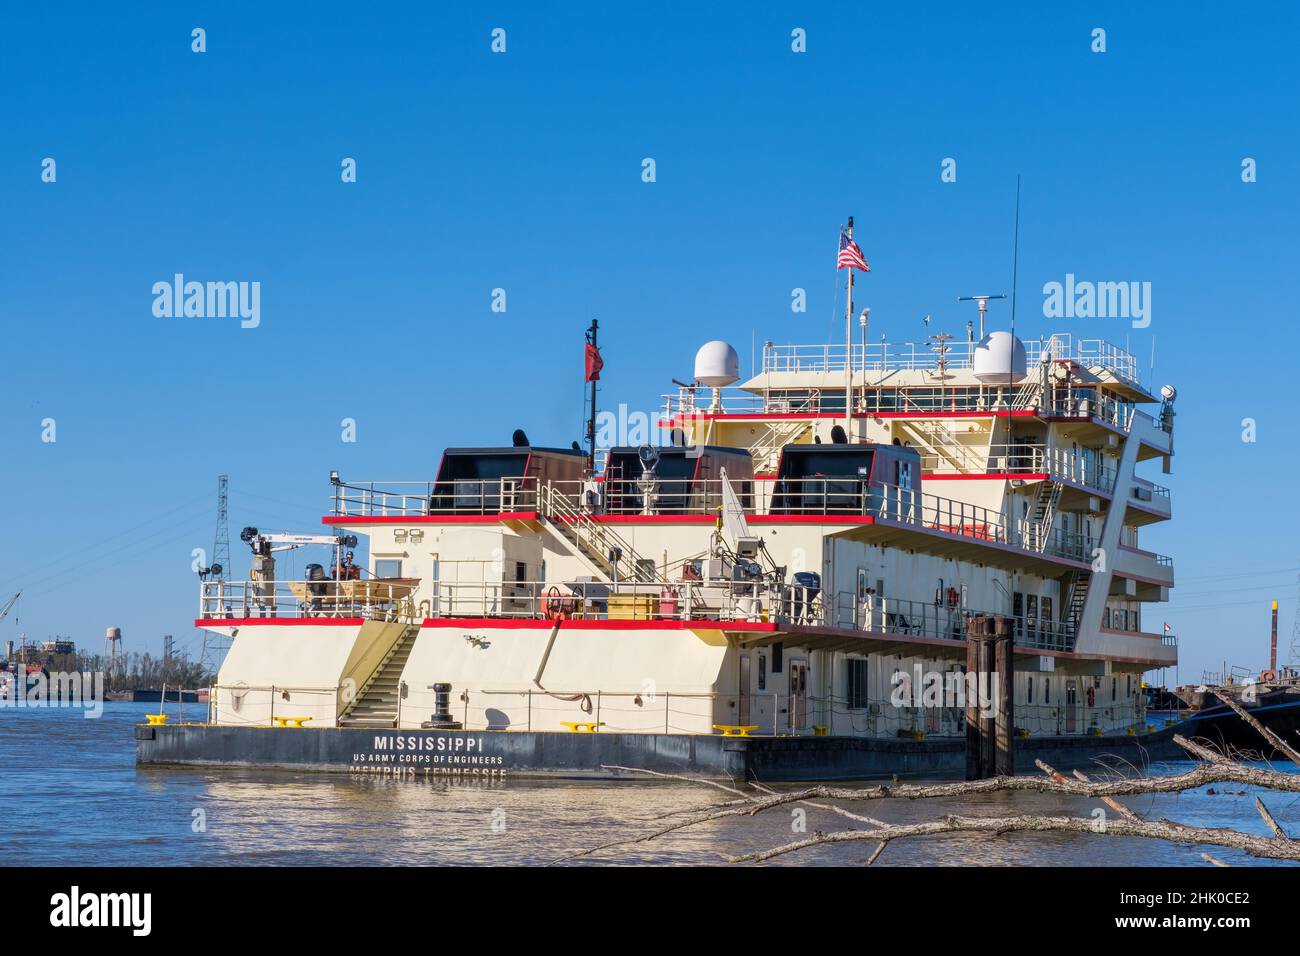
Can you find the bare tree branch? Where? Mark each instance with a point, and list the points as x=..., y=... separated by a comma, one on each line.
x=1264, y=847
x=1267, y=734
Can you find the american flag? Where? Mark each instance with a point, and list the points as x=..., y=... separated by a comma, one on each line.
x=850, y=255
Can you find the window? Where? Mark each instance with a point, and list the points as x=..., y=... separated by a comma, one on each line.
x=1029, y=690
x=1031, y=616
x=1047, y=691
x=1047, y=614
x=1018, y=612
x=762, y=672
x=388, y=567
x=521, y=572
x=778, y=652
x=856, y=690
x=1114, y=688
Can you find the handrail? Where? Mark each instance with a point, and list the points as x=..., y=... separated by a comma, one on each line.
x=371, y=599
x=910, y=356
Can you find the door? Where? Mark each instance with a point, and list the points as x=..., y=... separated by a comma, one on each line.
x=1071, y=706
x=745, y=685
x=798, y=694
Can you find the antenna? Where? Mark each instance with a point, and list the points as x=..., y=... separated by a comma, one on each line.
x=983, y=302
x=1293, y=656
x=1015, y=274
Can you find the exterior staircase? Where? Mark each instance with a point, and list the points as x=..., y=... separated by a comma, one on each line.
x=1076, y=592
x=1044, y=512
x=593, y=540
x=936, y=440
x=376, y=703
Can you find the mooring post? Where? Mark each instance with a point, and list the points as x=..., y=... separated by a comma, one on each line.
x=974, y=725
x=1005, y=697
x=990, y=720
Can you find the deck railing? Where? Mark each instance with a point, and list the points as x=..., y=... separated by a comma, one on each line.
x=909, y=356
x=371, y=599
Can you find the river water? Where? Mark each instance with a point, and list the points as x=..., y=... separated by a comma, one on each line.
x=72, y=795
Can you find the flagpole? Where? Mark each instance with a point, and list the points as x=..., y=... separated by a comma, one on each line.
x=848, y=350
x=591, y=420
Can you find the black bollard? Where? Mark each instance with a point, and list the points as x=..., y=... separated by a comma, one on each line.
x=441, y=718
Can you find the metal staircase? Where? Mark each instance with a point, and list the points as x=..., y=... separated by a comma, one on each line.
x=1026, y=396
x=594, y=541
x=936, y=439
x=1076, y=592
x=376, y=703
x=1045, y=502
x=766, y=449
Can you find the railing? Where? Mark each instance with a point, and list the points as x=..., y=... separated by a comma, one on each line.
x=1019, y=457
x=1060, y=402
x=239, y=703
x=470, y=496
x=372, y=599
x=1085, y=403
x=909, y=356
x=648, y=711
x=831, y=497
x=1147, y=491
x=756, y=599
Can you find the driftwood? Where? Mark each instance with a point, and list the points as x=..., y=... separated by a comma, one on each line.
x=1214, y=768
x=1264, y=732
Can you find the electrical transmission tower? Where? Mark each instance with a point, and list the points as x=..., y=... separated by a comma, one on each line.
x=221, y=540
x=216, y=645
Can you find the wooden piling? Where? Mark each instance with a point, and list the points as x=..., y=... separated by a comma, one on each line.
x=990, y=738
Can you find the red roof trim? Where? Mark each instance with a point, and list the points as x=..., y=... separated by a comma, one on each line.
x=535, y=624
x=279, y=621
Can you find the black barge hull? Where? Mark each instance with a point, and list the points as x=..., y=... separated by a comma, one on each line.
x=502, y=755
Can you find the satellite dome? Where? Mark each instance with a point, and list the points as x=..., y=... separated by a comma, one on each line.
x=999, y=357
x=717, y=363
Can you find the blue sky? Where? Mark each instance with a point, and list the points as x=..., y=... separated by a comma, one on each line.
x=522, y=171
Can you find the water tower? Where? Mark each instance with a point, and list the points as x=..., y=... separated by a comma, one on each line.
x=114, y=658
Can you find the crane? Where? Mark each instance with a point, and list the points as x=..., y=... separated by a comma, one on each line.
x=8, y=605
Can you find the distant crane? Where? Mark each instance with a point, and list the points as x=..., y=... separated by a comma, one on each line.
x=9, y=605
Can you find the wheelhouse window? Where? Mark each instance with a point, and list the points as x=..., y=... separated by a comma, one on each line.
x=388, y=567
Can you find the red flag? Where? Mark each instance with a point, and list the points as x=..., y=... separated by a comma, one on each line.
x=594, y=363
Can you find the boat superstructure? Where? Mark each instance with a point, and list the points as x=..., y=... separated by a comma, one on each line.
x=800, y=556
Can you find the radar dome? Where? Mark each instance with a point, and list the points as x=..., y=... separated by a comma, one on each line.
x=999, y=357
x=717, y=363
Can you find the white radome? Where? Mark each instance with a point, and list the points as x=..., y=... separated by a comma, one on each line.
x=717, y=364
x=999, y=357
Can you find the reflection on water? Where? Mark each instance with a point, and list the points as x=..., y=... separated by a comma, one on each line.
x=72, y=795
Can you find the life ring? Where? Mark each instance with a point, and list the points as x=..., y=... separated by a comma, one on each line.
x=1267, y=677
